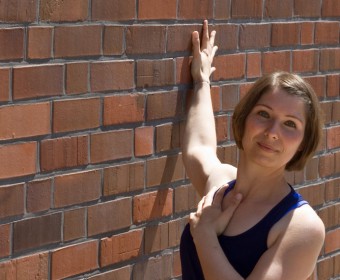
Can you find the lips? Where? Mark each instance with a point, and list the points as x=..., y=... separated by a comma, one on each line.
x=267, y=147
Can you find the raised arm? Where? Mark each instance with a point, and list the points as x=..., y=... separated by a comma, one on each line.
x=199, y=147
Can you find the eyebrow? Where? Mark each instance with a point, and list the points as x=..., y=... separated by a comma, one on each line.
x=288, y=116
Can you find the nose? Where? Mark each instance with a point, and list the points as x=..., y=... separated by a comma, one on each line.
x=272, y=131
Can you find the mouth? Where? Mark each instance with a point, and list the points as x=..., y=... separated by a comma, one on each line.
x=267, y=147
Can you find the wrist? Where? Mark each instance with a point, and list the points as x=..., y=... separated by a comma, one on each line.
x=199, y=84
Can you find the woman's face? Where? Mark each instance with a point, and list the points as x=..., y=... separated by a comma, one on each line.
x=274, y=129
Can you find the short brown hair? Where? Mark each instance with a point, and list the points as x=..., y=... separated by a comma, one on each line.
x=294, y=85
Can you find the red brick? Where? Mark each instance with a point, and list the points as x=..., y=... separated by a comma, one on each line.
x=253, y=65
x=330, y=59
x=228, y=154
x=275, y=61
x=312, y=170
x=325, y=268
x=305, y=61
x=18, y=159
x=166, y=9
x=333, y=85
x=121, y=247
x=221, y=126
x=11, y=43
x=39, y=45
x=145, y=39
x=112, y=75
x=314, y=194
x=113, y=40
x=246, y=8
x=109, y=216
x=36, y=232
x=114, y=10
x=12, y=197
x=77, y=114
x=77, y=77
x=176, y=269
x=144, y=141
x=332, y=189
x=74, y=259
x=327, y=33
x=330, y=215
x=307, y=33
x=51, y=10
x=230, y=96
x=158, y=72
x=121, y=109
x=168, y=137
x=163, y=105
x=152, y=205
x=147, y=269
x=313, y=9
x=222, y=9
x=25, y=120
x=4, y=83
x=188, y=9
x=337, y=264
x=64, y=152
x=215, y=98
x=186, y=198
x=318, y=83
x=332, y=241
x=326, y=108
x=77, y=188
x=230, y=66
x=183, y=72
x=336, y=111
x=37, y=81
x=333, y=137
x=38, y=195
x=18, y=11
x=111, y=145
x=179, y=37
x=73, y=41
x=156, y=238
x=123, y=273
x=285, y=34
x=123, y=178
x=326, y=165
x=5, y=240
x=164, y=170
x=226, y=36
x=74, y=226
x=330, y=8
x=244, y=88
x=278, y=9
x=254, y=36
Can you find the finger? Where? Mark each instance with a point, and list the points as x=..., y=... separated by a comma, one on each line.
x=210, y=197
x=219, y=195
x=195, y=39
x=200, y=204
x=213, y=52
x=205, y=35
x=212, y=70
x=212, y=37
x=228, y=213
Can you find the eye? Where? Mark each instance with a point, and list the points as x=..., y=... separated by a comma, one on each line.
x=263, y=114
x=290, y=124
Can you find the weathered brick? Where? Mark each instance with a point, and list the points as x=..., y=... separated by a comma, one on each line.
x=156, y=238
x=221, y=127
x=11, y=43
x=37, y=81
x=332, y=189
x=305, y=61
x=121, y=247
x=39, y=44
x=330, y=59
x=51, y=10
x=168, y=137
x=25, y=120
x=12, y=197
x=285, y=34
x=38, y=195
x=164, y=170
x=318, y=83
x=253, y=65
x=186, y=198
x=254, y=36
x=74, y=226
x=179, y=37
x=113, y=10
x=4, y=83
x=330, y=8
x=125, y=108
x=18, y=11
x=113, y=40
x=18, y=159
x=246, y=9
x=36, y=232
x=77, y=188
x=123, y=178
x=76, y=114
x=73, y=41
x=188, y=9
x=327, y=33
x=230, y=96
x=327, y=164
x=152, y=73
x=278, y=9
x=222, y=9
x=77, y=77
x=325, y=268
x=326, y=108
x=312, y=170
x=112, y=75
x=109, y=216
x=275, y=61
x=145, y=39
x=307, y=33
x=111, y=145
x=335, y=112
x=163, y=105
x=152, y=205
x=332, y=241
x=176, y=264
x=231, y=66
x=74, y=259
x=183, y=73
x=333, y=86
x=5, y=240
x=313, y=9
x=166, y=9
x=226, y=36
x=146, y=269
x=123, y=273
x=333, y=137
x=64, y=152
x=144, y=138
x=330, y=215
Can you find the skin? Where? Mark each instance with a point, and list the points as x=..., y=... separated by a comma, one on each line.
x=273, y=134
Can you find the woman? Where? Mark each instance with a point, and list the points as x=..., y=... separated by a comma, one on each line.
x=255, y=226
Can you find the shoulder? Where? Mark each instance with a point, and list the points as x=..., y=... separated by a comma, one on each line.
x=220, y=175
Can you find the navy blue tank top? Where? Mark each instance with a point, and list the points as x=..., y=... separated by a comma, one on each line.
x=243, y=250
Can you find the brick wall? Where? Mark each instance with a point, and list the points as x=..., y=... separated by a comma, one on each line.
x=92, y=103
